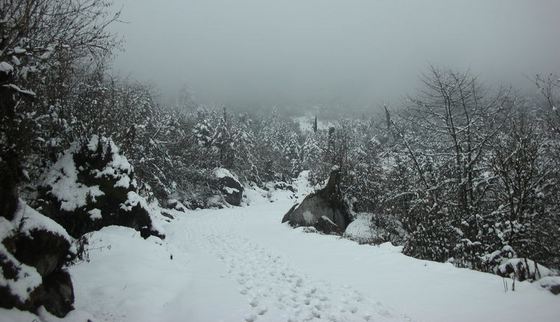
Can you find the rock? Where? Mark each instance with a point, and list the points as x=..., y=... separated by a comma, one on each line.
x=58, y=293
x=20, y=282
x=42, y=249
x=33, y=251
x=92, y=186
x=324, y=209
x=551, y=283
x=229, y=186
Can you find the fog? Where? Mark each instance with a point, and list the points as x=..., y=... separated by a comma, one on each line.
x=350, y=53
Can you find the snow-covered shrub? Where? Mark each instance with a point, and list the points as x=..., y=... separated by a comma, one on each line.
x=33, y=252
x=523, y=269
x=433, y=237
x=375, y=229
x=492, y=261
x=92, y=186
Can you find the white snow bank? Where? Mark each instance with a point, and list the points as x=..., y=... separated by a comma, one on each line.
x=129, y=278
x=549, y=282
x=360, y=230
x=223, y=173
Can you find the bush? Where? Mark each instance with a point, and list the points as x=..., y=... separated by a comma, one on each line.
x=92, y=186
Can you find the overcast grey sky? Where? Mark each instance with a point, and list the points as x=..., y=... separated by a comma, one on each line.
x=349, y=52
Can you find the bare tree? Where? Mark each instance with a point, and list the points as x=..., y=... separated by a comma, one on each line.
x=40, y=39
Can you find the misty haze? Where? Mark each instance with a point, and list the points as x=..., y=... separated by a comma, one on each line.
x=259, y=160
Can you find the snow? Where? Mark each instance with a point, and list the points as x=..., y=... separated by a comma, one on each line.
x=18, y=50
x=134, y=199
x=118, y=167
x=28, y=219
x=230, y=190
x=223, y=173
x=123, y=182
x=548, y=282
x=15, y=315
x=27, y=279
x=63, y=178
x=325, y=218
x=19, y=90
x=306, y=123
x=6, y=68
x=242, y=264
x=360, y=230
x=95, y=214
x=514, y=262
x=93, y=143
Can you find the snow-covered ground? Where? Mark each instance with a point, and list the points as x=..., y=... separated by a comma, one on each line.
x=242, y=264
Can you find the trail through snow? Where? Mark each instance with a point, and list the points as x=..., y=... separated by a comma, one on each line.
x=242, y=265
x=273, y=287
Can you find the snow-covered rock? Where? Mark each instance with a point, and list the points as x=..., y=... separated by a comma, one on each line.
x=229, y=186
x=551, y=283
x=33, y=252
x=323, y=209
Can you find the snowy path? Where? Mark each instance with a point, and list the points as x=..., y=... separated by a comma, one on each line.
x=241, y=265
x=287, y=275
x=273, y=288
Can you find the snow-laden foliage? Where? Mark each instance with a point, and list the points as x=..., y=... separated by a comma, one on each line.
x=91, y=186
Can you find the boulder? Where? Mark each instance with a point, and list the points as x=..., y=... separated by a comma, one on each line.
x=324, y=209
x=19, y=283
x=92, y=186
x=33, y=252
x=58, y=293
x=229, y=186
x=551, y=283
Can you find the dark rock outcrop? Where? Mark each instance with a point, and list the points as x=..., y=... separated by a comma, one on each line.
x=229, y=186
x=58, y=293
x=33, y=252
x=92, y=186
x=323, y=209
x=42, y=249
